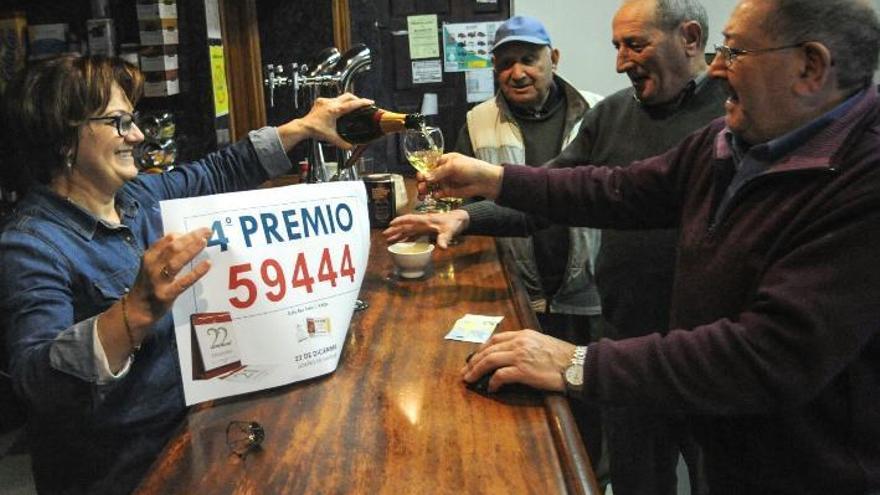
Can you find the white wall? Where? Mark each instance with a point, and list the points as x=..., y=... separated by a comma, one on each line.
x=581, y=29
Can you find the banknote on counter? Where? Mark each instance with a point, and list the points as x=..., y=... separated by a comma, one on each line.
x=474, y=328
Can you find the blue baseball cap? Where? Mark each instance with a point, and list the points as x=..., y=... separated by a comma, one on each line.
x=521, y=28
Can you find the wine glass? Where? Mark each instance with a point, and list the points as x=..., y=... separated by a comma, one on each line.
x=423, y=148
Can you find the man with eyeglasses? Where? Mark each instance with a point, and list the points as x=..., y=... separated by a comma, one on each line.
x=660, y=47
x=775, y=342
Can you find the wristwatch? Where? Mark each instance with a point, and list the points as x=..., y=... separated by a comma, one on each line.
x=573, y=376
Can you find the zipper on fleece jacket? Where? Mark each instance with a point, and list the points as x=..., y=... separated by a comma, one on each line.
x=720, y=218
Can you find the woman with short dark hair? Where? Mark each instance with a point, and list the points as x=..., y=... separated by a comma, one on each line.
x=87, y=276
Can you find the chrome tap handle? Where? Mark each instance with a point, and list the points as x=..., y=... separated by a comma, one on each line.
x=297, y=73
x=275, y=79
x=270, y=82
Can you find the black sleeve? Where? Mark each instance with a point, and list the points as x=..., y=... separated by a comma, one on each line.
x=463, y=142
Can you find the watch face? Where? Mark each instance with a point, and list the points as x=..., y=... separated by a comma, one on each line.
x=574, y=375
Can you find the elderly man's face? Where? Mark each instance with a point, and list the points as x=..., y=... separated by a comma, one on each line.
x=655, y=61
x=762, y=104
x=525, y=73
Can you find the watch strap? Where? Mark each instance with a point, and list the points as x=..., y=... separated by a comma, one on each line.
x=578, y=358
x=580, y=355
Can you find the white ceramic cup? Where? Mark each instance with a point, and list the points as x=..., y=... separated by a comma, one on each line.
x=411, y=258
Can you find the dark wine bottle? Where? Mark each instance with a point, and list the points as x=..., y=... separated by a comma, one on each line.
x=368, y=123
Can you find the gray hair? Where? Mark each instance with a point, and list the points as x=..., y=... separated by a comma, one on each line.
x=848, y=28
x=671, y=13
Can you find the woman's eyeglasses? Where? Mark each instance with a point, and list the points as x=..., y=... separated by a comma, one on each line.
x=123, y=122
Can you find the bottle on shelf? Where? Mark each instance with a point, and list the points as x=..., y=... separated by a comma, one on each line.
x=368, y=123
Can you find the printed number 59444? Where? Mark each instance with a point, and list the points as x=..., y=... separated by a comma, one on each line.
x=273, y=276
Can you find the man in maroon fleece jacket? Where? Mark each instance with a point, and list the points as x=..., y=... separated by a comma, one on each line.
x=775, y=347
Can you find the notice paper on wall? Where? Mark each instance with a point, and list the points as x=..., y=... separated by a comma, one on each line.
x=480, y=85
x=427, y=71
x=423, y=38
x=286, y=267
x=218, y=80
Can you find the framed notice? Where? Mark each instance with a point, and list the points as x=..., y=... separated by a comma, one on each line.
x=427, y=71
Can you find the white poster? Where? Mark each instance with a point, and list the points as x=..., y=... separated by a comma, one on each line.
x=480, y=85
x=422, y=30
x=286, y=267
x=212, y=19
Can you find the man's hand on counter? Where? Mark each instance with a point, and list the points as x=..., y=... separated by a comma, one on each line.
x=528, y=357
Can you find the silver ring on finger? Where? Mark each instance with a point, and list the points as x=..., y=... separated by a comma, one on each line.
x=166, y=273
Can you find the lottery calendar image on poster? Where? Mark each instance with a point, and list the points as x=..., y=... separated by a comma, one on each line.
x=286, y=268
x=468, y=46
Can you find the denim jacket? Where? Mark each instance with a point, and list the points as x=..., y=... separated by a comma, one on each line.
x=59, y=268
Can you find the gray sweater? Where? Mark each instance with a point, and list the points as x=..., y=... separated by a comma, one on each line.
x=634, y=268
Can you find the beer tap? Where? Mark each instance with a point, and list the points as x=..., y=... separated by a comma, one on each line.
x=274, y=79
x=329, y=70
x=355, y=61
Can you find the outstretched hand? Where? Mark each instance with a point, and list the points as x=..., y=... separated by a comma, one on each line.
x=445, y=225
x=458, y=175
x=528, y=357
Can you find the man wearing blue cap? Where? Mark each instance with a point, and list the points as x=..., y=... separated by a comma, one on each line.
x=534, y=115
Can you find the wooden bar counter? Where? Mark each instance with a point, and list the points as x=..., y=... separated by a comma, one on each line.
x=395, y=416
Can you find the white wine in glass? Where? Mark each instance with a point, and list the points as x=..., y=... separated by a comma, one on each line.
x=423, y=148
x=424, y=160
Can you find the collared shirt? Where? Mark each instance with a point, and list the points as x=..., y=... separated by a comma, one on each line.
x=59, y=268
x=752, y=161
x=694, y=86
